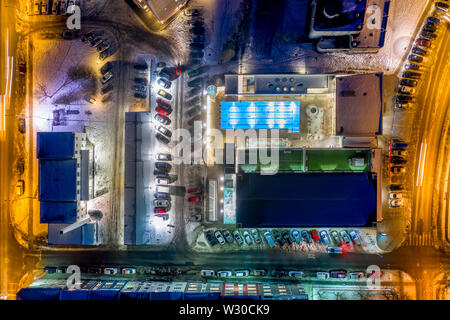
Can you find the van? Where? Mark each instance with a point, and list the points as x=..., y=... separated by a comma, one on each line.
x=163, y=189
x=242, y=273
x=207, y=273
x=322, y=275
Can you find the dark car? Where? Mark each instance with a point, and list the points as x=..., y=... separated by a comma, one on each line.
x=419, y=51
x=162, y=119
x=164, y=83
x=402, y=105
x=22, y=67
x=192, y=112
x=433, y=20
x=441, y=6
x=193, y=101
x=429, y=27
x=411, y=74
x=197, y=23
x=403, y=98
x=87, y=36
x=428, y=35
x=96, y=270
x=278, y=239
x=69, y=35
x=140, y=66
x=106, y=67
x=141, y=80
x=412, y=66
x=162, y=139
x=164, y=131
x=140, y=95
x=408, y=82
x=415, y=58
x=107, y=88
x=210, y=238
x=198, y=38
x=190, y=122
x=227, y=235
x=163, y=166
x=395, y=187
x=194, y=91
x=105, y=54
x=305, y=236
x=287, y=238
x=195, y=83
x=21, y=125
x=96, y=41
x=102, y=47
x=398, y=160
x=338, y=274
x=161, y=102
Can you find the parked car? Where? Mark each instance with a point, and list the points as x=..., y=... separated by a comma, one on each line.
x=162, y=119
x=224, y=273
x=408, y=82
x=194, y=190
x=356, y=275
x=164, y=157
x=140, y=95
x=260, y=272
x=429, y=36
x=423, y=42
x=324, y=237
x=247, y=237
x=96, y=41
x=161, y=195
x=207, y=273
x=305, y=236
x=128, y=270
x=242, y=273
x=399, y=145
x=192, y=112
x=219, y=237
x=398, y=169
x=110, y=270
x=419, y=51
x=315, y=235
x=406, y=90
x=210, y=238
x=162, y=138
x=105, y=54
x=88, y=36
x=433, y=20
x=106, y=67
x=164, y=94
x=395, y=187
x=164, y=83
x=50, y=270
x=355, y=237
x=161, y=210
x=398, y=160
x=193, y=102
x=256, y=236
x=279, y=273
x=322, y=275
x=412, y=66
x=95, y=270
x=195, y=199
x=278, y=239
x=334, y=250
x=411, y=74
x=403, y=98
x=143, y=81
x=106, y=77
x=227, y=235
x=163, y=166
x=395, y=195
x=160, y=102
x=269, y=239
x=295, y=234
x=195, y=218
x=195, y=83
x=164, y=203
x=102, y=47
x=295, y=274
x=164, y=131
x=346, y=237
x=338, y=274
x=140, y=66
x=415, y=58
x=287, y=238
x=335, y=237
x=238, y=238
x=441, y=6
x=402, y=106
x=400, y=153
x=162, y=180
x=396, y=203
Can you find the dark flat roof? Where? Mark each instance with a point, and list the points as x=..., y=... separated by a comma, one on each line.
x=306, y=200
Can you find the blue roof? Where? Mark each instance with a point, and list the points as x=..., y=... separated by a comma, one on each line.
x=306, y=200
x=84, y=235
x=260, y=115
x=57, y=180
x=55, y=145
x=58, y=212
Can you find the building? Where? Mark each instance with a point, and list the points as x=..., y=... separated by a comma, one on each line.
x=325, y=170
x=63, y=183
x=163, y=10
x=343, y=25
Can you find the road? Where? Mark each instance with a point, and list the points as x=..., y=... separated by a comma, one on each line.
x=431, y=128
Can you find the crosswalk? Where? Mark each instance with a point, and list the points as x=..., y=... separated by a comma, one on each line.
x=420, y=240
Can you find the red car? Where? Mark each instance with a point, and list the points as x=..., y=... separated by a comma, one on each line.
x=423, y=43
x=315, y=235
x=161, y=111
x=194, y=190
x=22, y=67
x=160, y=210
x=195, y=199
x=162, y=103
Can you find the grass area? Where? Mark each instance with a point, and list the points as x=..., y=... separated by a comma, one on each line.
x=336, y=160
x=288, y=159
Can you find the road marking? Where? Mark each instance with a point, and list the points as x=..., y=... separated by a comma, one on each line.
x=421, y=165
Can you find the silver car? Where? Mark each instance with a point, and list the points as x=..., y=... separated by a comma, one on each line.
x=324, y=237
x=247, y=237
x=219, y=237
x=165, y=203
x=256, y=236
x=346, y=238
x=238, y=238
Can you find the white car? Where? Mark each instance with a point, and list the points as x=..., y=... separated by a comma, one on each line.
x=207, y=273
x=128, y=270
x=162, y=181
x=224, y=273
x=220, y=237
x=107, y=77
x=395, y=195
x=295, y=274
x=322, y=275
x=110, y=271
x=355, y=237
x=247, y=237
x=396, y=203
x=242, y=273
